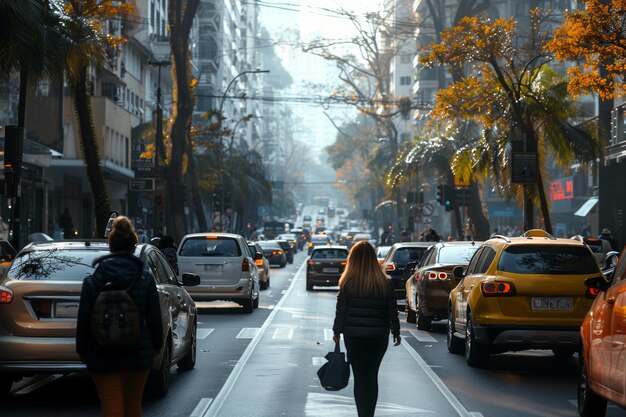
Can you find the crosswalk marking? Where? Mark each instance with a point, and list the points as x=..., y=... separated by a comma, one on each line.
x=283, y=333
x=322, y=405
x=248, y=333
x=203, y=333
x=318, y=360
x=423, y=336
x=328, y=334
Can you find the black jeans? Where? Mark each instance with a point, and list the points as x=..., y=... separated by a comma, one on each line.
x=365, y=355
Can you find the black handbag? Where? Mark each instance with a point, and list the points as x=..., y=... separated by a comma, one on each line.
x=334, y=374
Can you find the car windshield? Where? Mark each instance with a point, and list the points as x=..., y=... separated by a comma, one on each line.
x=329, y=254
x=203, y=246
x=553, y=260
x=54, y=264
x=457, y=255
x=405, y=255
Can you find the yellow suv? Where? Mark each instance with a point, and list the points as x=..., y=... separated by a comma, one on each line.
x=521, y=293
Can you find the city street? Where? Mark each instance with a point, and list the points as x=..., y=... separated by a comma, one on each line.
x=264, y=364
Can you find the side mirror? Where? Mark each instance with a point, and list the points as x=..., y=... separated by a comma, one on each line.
x=457, y=272
x=598, y=283
x=610, y=261
x=258, y=255
x=190, y=280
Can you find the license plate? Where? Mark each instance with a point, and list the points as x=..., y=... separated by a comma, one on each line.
x=66, y=309
x=212, y=268
x=331, y=270
x=552, y=303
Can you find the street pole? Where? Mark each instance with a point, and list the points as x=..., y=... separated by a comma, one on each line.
x=221, y=118
x=159, y=145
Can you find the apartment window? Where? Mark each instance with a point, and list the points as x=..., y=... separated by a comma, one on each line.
x=406, y=80
x=405, y=58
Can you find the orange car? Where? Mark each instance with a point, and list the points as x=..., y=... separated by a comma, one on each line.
x=602, y=359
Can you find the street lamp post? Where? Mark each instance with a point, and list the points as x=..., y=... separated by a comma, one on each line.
x=221, y=108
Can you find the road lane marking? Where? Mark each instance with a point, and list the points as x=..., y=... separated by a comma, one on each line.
x=271, y=307
x=268, y=293
x=445, y=391
x=248, y=333
x=328, y=334
x=228, y=386
x=283, y=333
x=201, y=408
x=318, y=360
x=203, y=333
x=323, y=405
x=423, y=336
x=283, y=291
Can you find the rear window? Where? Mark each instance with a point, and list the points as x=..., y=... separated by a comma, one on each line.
x=268, y=245
x=594, y=244
x=553, y=260
x=319, y=239
x=329, y=254
x=405, y=255
x=54, y=265
x=458, y=255
x=202, y=246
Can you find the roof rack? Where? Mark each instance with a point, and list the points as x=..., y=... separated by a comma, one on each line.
x=529, y=234
x=494, y=236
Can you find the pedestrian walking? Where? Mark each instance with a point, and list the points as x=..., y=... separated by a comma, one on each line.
x=119, y=368
x=366, y=313
x=167, y=248
x=607, y=235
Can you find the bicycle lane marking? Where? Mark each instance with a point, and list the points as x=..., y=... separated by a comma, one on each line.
x=221, y=397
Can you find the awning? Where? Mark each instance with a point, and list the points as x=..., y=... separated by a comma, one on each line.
x=586, y=207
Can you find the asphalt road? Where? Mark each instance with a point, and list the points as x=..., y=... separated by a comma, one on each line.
x=263, y=365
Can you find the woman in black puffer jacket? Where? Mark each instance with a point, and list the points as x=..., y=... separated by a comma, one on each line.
x=120, y=378
x=366, y=313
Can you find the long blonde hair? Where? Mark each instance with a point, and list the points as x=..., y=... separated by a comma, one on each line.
x=363, y=276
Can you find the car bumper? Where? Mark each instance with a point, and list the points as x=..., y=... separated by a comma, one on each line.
x=399, y=287
x=238, y=292
x=325, y=280
x=528, y=337
x=30, y=355
x=30, y=368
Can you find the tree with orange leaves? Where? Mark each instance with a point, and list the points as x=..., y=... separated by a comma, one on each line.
x=595, y=38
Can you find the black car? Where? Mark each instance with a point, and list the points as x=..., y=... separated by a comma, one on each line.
x=396, y=261
x=325, y=266
x=273, y=252
x=288, y=248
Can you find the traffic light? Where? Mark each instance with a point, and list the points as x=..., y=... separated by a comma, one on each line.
x=446, y=196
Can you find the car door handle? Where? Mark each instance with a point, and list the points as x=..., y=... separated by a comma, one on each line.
x=610, y=300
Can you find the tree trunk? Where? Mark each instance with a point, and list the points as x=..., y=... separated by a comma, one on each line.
x=89, y=145
x=545, y=208
x=195, y=194
x=476, y=214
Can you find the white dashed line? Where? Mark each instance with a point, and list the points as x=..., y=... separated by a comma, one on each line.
x=328, y=334
x=203, y=333
x=248, y=333
x=423, y=336
x=283, y=333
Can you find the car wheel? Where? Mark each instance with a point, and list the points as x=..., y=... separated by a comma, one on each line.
x=423, y=322
x=291, y=260
x=410, y=313
x=248, y=304
x=455, y=344
x=589, y=403
x=255, y=303
x=309, y=286
x=6, y=382
x=263, y=285
x=283, y=264
x=160, y=378
x=188, y=361
x=267, y=283
x=475, y=354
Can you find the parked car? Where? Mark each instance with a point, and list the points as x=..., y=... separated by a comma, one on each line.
x=39, y=298
x=599, y=247
x=601, y=359
x=521, y=293
x=431, y=282
x=263, y=265
x=288, y=248
x=381, y=253
x=273, y=253
x=291, y=238
x=318, y=240
x=225, y=266
x=396, y=261
x=325, y=266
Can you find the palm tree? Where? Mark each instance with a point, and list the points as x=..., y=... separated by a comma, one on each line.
x=87, y=44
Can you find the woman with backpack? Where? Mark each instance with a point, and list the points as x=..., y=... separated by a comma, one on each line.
x=119, y=353
x=366, y=313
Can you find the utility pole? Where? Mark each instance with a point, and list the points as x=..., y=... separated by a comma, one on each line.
x=159, y=169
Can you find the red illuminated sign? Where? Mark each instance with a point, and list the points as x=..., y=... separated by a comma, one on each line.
x=562, y=190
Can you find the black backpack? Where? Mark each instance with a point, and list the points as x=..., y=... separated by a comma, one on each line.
x=115, y=320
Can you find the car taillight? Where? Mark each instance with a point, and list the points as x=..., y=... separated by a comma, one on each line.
x=592, y=292
x=497, y=289
x=391, y=266
x=344, y=263
x=436, y=275
x=312, y=263
x=258, y=262
x=245, y=266
x=6, y=295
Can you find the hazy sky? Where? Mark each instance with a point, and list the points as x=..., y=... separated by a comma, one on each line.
x=293, y=21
